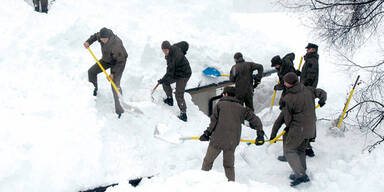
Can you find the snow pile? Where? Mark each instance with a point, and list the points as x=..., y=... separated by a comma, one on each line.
x=55, y=136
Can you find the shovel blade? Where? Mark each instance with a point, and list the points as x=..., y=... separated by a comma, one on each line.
x=211, y=72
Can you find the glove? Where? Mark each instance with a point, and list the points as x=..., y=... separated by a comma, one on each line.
x=205, y=136
x=257, y=81
x=321, y=103
x=160, y=81
x=298, y=73
x=276, y=87
x=255, y=84
x=286, y=129
x=260, y=138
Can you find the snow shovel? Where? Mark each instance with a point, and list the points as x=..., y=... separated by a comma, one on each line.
x=241, y=140
x=213, y=72
x=125, y=106
x=153, y=90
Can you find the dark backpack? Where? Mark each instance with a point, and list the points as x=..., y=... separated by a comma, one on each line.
x=183, y=45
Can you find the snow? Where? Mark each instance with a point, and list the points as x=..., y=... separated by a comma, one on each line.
x=55, y=136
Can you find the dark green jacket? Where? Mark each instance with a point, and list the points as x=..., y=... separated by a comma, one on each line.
x=310, y=73
x=228, y=115
x=286, y=67
x=241, y=74
x=113, y=51
x=299, y=113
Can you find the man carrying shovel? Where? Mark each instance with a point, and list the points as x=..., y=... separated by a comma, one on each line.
x=298, y=108
x=224, y=131
x=114, y=57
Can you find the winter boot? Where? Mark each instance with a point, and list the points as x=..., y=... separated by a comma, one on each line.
x=299, y=180
x=37, y=8
x=95, y=92
x=183, y=116
x=169, y=101
x=309, y=152
x=292, y=177
x=282, y=158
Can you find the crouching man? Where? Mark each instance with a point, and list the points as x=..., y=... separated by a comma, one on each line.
x=224, y=131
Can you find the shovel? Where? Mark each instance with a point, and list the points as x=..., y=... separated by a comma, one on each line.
x=213, y=72
x=124, y=105
x=241, y=140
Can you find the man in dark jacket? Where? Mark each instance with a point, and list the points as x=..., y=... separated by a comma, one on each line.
x=44, y=5
x=241, y=74
x=309, y=76
x=114, y=57
x=283, y=66
x=179, y=72
x=300, y=120
x=224, y=131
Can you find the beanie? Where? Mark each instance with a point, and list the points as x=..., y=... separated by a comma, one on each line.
x=165, y=45
x=290, y=78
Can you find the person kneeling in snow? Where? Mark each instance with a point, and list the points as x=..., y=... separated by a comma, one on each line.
x=298, y=109
x=224, y=131
x=114, y=57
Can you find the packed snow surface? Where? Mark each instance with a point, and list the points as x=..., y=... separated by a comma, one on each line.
x=56, y=136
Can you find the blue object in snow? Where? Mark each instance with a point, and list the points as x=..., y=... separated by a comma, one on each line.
x=212, y=72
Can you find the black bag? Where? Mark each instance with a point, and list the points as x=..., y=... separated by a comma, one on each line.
x=183, y=45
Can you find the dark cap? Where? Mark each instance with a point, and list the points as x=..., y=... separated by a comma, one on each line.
x=105, y=33
x=231, y=91
x=276, y=60
x=238, y=56
x=290, y=78
x=165, y=45
x=311, y=45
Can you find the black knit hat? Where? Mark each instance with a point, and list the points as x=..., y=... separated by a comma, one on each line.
x=231, y=91
x=311, y=45
x=238, y=56
x=290, y=78
x=276, y=60
x=105, y=33
x=165, y=45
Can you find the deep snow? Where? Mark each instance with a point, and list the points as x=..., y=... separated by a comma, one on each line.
x=55, y=136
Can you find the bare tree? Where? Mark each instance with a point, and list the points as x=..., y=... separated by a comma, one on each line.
x=342, y=23
x=346, y=25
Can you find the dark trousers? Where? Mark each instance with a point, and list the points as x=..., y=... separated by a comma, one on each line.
x=228, y=160
x=246, y=99
x=92, y=77
x=44, y=5
x=296, y=158
x=180, y=89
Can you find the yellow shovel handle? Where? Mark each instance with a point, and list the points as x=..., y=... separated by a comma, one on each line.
x=102, y=68
x=276, y=138
x=225, y=75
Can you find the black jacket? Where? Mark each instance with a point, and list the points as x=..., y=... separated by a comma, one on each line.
x=177, y=65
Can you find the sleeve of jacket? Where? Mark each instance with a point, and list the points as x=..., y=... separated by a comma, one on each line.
x=320, y=94
x=259, y=68
x=233, y=74
x=93, y=38
x=214, y=119
x=254, y=120
x=287, y=111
